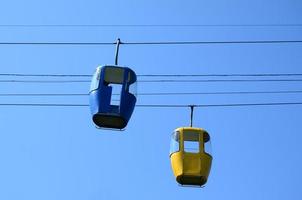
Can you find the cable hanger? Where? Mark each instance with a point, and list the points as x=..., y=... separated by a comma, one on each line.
x=118, y=42
x=191, y=116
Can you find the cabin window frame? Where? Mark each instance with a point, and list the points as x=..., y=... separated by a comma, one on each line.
x=207, y=145
x=194, y=146
x=95, y=83
x=175, y=142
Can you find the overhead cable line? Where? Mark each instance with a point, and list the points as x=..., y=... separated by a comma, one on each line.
x=214, y=42
x=154, y=43
x=157, y=81
x=44, y=81
x=219, y=80
x=147, y=25
x=160, y=93
x=59, y=43
x=218, y=93
x=157, y=105
x=218, y=105
x=45, y=75
x=156, y=75
x=217, y=75
x=46, y=94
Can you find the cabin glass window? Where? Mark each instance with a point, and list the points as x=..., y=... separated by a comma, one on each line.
x=191, y=141
x=133, y=89
x=95, y=80
x=114, y=75
x=114, y=78
x=132, y=84
x=116, y=94
x=207, y=144
x=174, y=146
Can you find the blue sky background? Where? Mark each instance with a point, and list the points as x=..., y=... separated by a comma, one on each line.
x=57, y=153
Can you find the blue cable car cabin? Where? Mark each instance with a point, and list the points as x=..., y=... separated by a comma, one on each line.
x=112, y=96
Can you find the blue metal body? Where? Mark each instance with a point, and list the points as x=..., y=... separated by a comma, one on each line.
x=104, y=113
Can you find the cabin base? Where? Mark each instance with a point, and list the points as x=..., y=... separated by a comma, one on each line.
x=191, y=180
x=109, y=121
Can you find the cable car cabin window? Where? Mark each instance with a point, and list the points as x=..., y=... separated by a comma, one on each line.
x=95, y=80
x=191, y=142
x=133, y=89
x=116, y=94
x=114, y=75
x=207, y=144
x=132, y=84
x=174, y=146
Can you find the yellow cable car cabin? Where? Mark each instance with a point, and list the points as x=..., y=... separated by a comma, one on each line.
x=190, y=157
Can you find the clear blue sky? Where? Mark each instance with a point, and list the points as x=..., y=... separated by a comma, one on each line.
x=56, y=153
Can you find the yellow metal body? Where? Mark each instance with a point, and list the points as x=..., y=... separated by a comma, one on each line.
x=191, y=168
